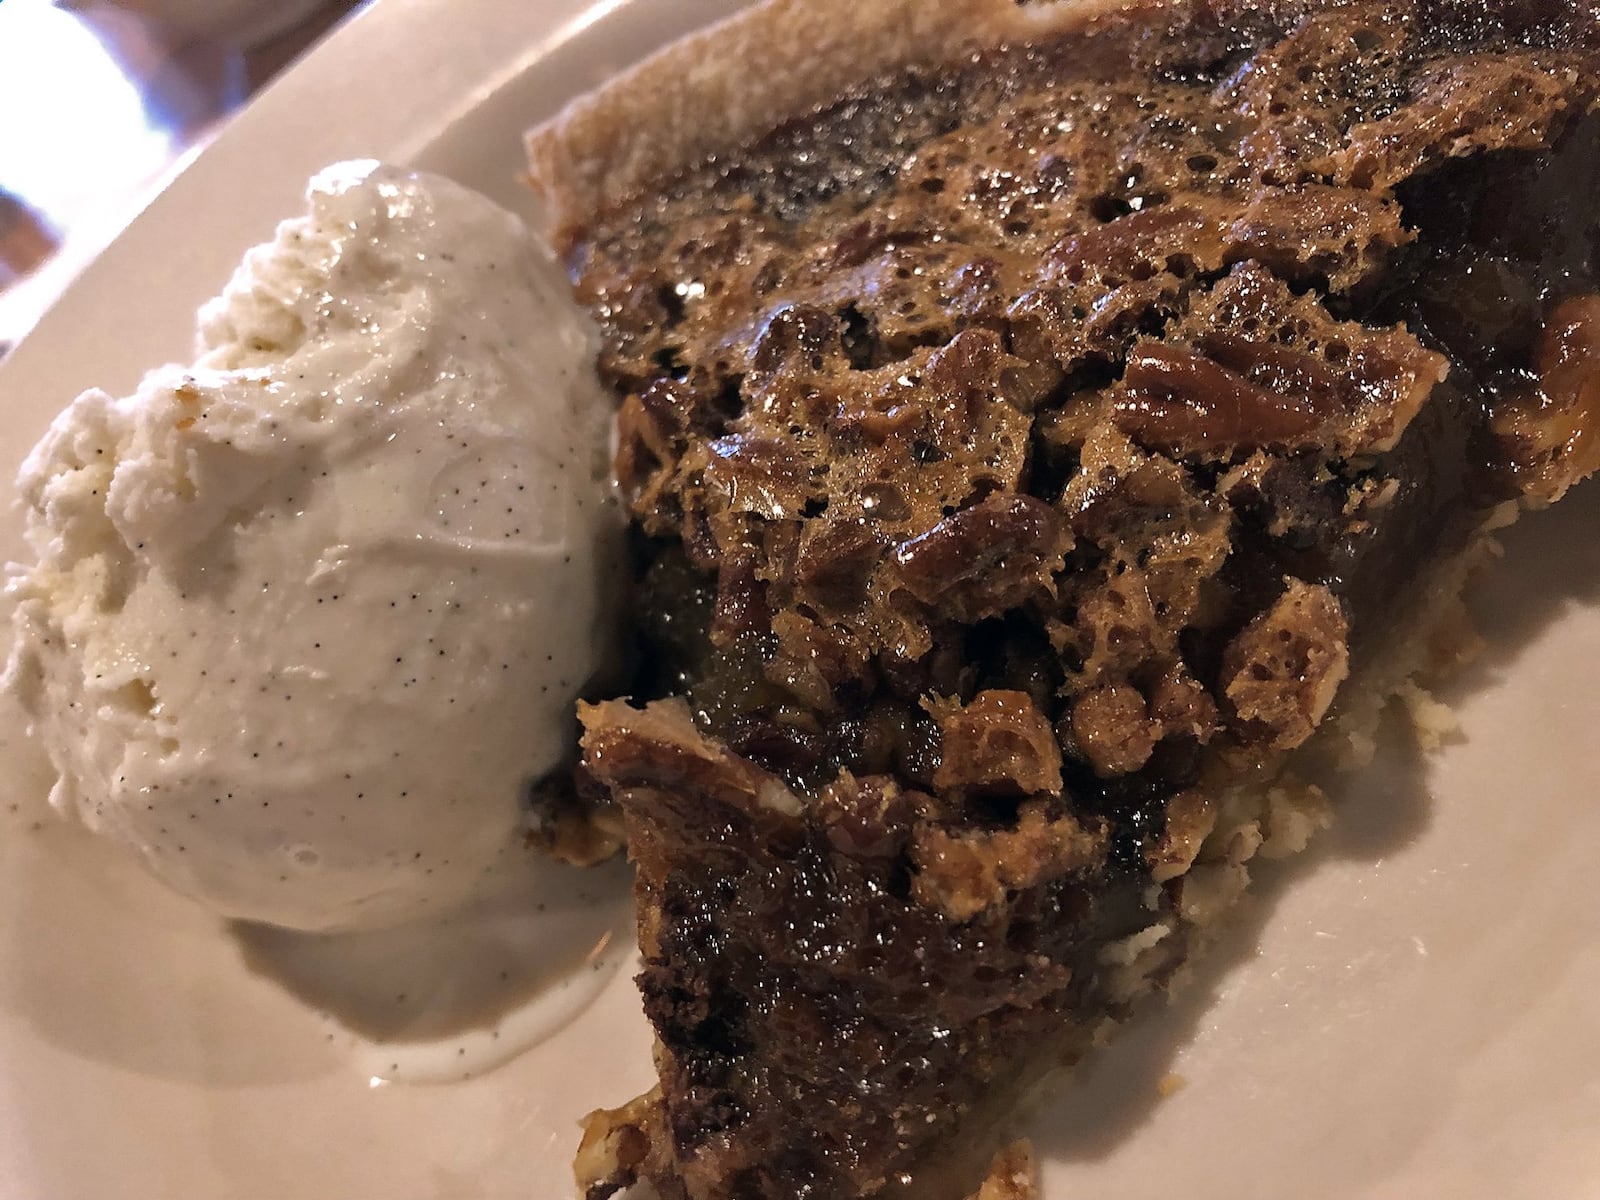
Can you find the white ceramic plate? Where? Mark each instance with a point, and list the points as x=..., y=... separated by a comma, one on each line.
x=1406, y=1012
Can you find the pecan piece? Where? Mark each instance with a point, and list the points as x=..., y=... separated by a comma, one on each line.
x=961, y=874
x=985, y=559
x=796, y=337
x=1266, y=369
x=742, y=610
x=759, y=475
x=1181, y=402
x=1283, y=670
x=1113, y=729
x=621, y=1146
x=1478, y=103
x=1191, y=816
x=1554, y=434
x=814, y=661
x=836, y=562
x=1180, y=239
x=1001, y=743
x=1182, y=706
x=1013, y=1175
x=645, y=449
x=870, y=817
x=1316, y=232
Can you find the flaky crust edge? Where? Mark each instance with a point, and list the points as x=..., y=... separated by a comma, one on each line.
x=724, y=86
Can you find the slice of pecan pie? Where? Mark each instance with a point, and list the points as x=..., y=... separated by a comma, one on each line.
x=1041, y=422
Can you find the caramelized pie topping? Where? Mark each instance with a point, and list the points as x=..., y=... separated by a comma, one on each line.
x=1022, y=452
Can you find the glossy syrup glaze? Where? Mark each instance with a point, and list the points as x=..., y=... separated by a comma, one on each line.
x=1026, y=456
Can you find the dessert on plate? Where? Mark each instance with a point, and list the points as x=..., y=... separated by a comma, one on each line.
x=1043, y=425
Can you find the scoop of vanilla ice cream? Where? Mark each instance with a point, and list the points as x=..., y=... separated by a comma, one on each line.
x=309, y=615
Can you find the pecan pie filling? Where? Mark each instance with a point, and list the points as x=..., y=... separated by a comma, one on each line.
x=1026, y=455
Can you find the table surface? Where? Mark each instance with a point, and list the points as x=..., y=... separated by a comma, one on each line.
x=115, y=103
